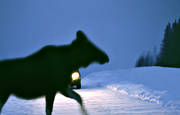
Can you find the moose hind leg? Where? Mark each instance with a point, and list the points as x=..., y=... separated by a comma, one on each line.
x=49, y=103
x=3, y=99
x=73, y=95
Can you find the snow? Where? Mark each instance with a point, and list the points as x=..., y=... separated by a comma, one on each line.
x=97, y=102
x=153, y=84
x=136, y=91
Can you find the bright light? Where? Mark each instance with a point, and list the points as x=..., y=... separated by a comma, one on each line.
x=75, y=76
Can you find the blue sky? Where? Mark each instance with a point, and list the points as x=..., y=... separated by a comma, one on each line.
x=122, y=28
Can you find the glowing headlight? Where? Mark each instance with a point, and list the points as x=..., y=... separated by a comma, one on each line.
x=75, y=76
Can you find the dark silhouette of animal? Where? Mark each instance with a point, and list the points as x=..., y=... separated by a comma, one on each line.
x=48, y=71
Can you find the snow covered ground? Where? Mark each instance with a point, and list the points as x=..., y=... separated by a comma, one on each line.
x=137, y=91
x=153, y=84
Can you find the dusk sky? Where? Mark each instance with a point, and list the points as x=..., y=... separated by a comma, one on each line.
x=124, y=29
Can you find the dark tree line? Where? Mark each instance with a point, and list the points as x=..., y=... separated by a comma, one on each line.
x=170, y=48
x=147, y=59
x=169, y=55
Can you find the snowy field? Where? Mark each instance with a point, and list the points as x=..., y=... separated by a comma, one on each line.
x=137, y=91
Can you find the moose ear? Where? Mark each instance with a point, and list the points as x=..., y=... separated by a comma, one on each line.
x=80, y=36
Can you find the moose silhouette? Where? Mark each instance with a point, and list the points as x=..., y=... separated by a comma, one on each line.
x=48, y=71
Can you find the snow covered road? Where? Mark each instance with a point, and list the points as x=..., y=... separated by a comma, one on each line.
x=97, y=102
x=137, y=91
x=107, y=102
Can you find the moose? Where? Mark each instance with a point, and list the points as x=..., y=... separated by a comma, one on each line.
x=48, y=71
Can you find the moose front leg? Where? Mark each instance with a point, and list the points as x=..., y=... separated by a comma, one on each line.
x=49, y=103
x=73, y=95
x=3, y=99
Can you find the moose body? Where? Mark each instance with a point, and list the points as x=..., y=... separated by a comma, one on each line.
x=48, y=71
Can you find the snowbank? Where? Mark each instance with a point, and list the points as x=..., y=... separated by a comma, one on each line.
x=154, y=84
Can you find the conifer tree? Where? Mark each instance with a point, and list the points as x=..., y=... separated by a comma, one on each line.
x=170, y=48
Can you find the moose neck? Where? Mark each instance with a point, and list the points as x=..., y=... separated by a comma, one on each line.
x=77, y=58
